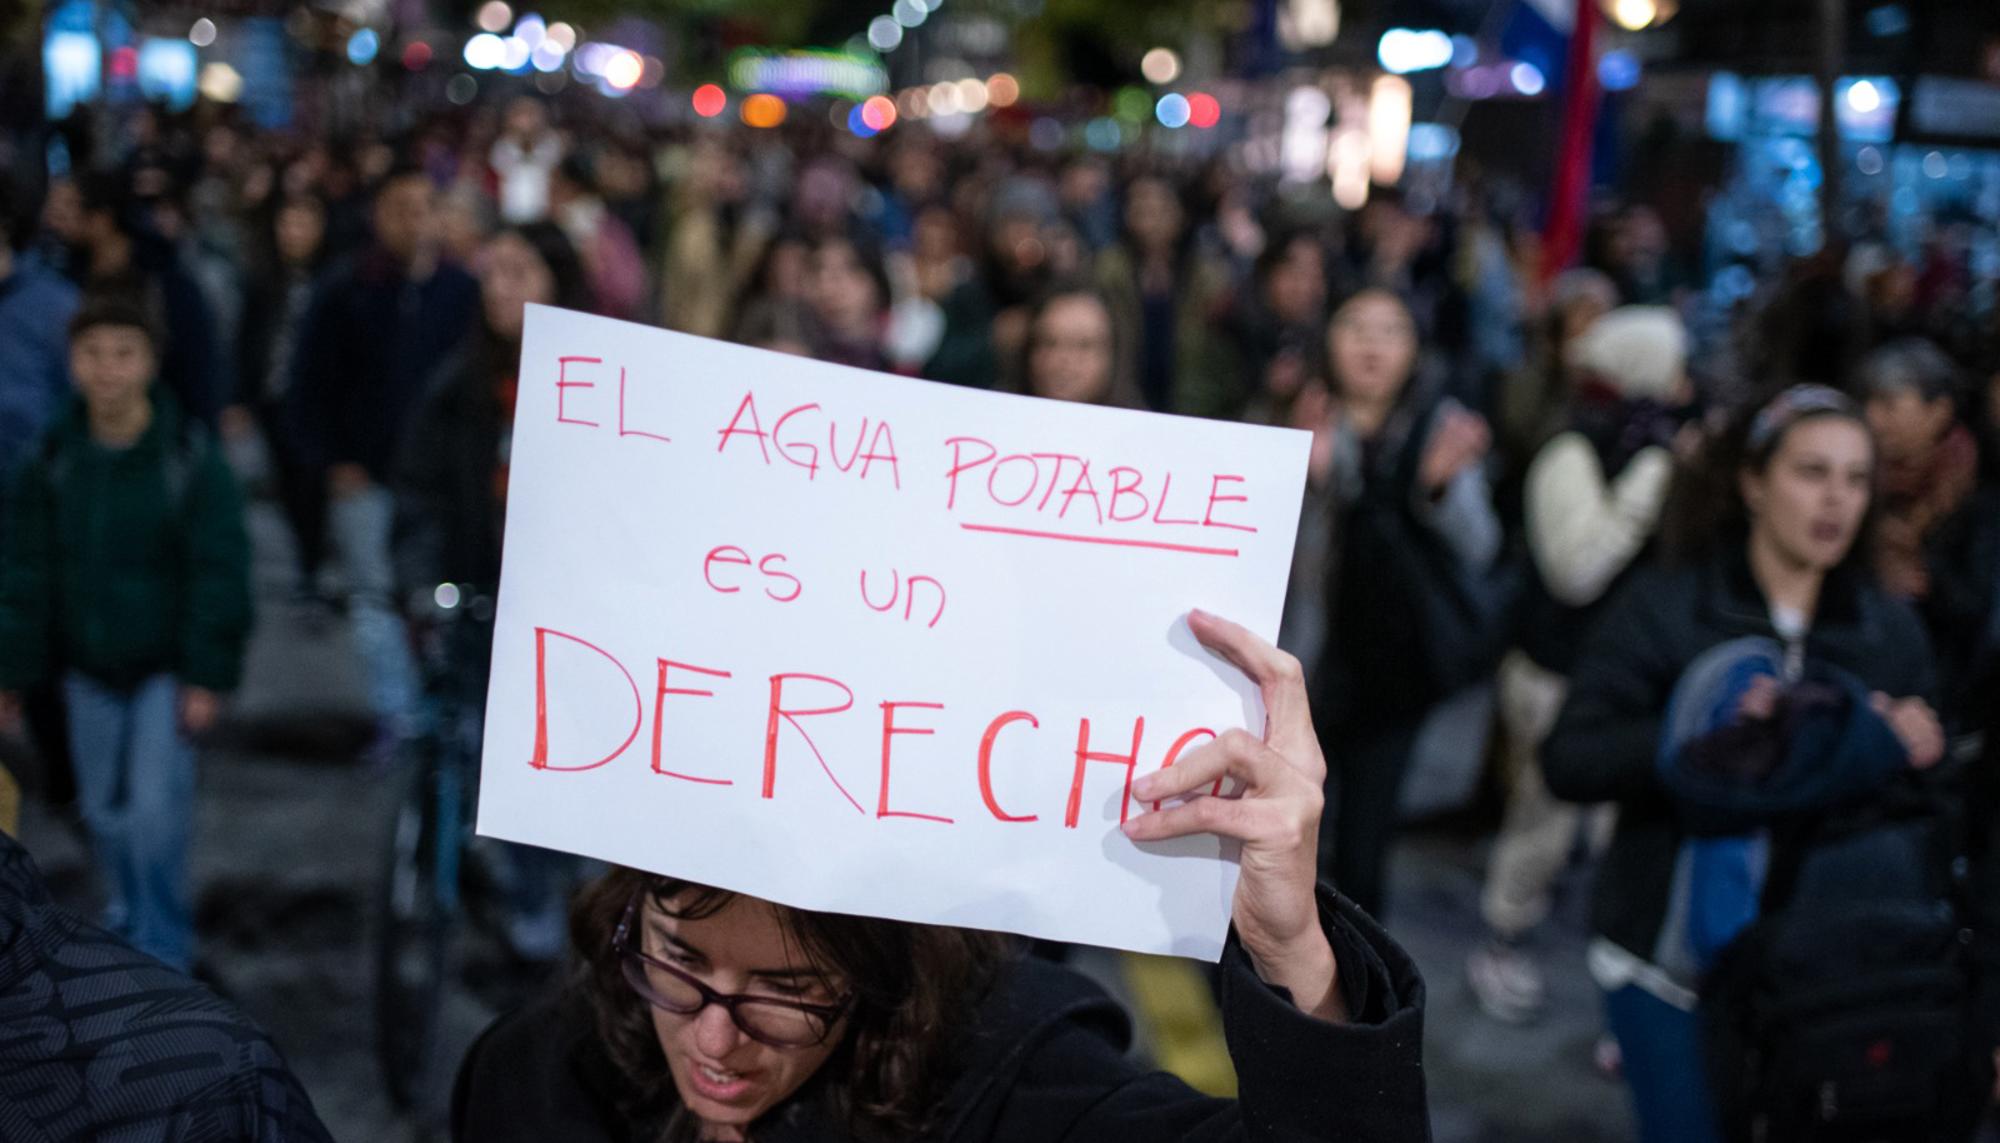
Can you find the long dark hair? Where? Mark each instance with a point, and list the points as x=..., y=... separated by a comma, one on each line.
x=1121, y=392
x=1705, y=511
x=552, y=246
x=915, y=988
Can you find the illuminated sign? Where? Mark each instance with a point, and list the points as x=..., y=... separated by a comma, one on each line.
x=804, y=73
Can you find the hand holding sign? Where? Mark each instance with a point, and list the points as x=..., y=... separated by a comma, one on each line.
x=1276, y=818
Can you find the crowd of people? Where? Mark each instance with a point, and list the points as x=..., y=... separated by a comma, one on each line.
x=1721, y=599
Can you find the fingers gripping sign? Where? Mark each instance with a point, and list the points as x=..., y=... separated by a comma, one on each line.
x=1275, y=818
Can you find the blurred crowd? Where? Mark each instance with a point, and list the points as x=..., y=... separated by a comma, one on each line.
x=1513, y=469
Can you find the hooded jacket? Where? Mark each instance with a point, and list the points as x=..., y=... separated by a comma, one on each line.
x=1045, y=1061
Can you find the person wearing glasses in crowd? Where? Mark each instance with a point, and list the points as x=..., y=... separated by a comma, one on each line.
x=699, y=1014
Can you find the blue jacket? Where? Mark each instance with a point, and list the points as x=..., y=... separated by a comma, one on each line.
x=35, y=308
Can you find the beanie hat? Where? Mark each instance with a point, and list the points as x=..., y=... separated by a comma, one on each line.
x=1639, y=351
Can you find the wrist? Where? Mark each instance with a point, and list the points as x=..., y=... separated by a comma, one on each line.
x=1307, y=968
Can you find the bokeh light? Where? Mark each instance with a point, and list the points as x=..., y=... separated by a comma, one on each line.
x=1172, y=111
x=494, y=16
x=623, y=70
x=971, y=95
x=1002, y=90
x=885, y=34
x=763, y=110
x=484, y=51
x=1204, y=110
x=709, y=100
x=1160, y=65
x=878, y=112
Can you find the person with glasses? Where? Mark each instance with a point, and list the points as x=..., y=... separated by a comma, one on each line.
x=699, y=1014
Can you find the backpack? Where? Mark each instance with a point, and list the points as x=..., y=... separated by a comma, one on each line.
x=1843, y=1013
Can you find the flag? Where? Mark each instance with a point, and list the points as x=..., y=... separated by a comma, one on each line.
x=1569, y=191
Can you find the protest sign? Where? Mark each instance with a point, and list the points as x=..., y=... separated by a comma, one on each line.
x=866, y=644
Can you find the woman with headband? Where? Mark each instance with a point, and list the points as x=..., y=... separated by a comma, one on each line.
x=1778, y=562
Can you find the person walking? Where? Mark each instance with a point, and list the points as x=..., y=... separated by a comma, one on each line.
x=1594, y=497
x=127, y=575
x=377, y=329
x=1776, y=552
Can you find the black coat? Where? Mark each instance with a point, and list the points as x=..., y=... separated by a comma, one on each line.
x=1605, y=742
x=370, y=342
x=448, y=509
x=1046, y=1061
x=1962, y=556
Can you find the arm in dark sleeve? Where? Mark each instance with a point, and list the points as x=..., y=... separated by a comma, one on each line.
x=27, y=581
x=1606, y=740
x=201, y=372
x=1299, y=1078
x=216, y=610
x=1964, y=566
x=1910, y=663
x=309, y=396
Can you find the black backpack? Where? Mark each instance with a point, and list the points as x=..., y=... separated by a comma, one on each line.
x=1844, y=1014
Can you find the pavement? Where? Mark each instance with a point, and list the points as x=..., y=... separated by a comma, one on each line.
x=291, y=829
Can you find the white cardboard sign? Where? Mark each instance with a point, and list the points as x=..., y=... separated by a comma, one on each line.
x=865, y=644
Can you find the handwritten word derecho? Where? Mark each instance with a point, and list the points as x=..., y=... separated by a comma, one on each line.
x=986, y=488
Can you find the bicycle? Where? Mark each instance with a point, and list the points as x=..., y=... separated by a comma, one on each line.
x=422, y=895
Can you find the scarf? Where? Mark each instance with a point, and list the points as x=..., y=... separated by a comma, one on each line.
x=1918, y=494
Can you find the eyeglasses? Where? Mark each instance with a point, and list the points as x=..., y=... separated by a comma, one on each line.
x=765, y=1019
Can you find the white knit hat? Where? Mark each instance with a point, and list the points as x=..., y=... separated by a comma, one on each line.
x=1641, y=351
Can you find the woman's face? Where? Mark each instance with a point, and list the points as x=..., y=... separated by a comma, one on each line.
x=786, y=276
x=840, y=289
x=511, y=275
x=1296, y=288
x=300, y=227
x=1071, y=358
x=1908, y=426
x=1808, y=502
x=725, y=1078
x=1153, y=214
x=936, y=237
x=1373, y=344
x=462, y=225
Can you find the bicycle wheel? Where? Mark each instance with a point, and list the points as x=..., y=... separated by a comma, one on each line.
x=416, y=915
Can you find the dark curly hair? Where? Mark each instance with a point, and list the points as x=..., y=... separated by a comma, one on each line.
x=914, y=986
x=1705, y=509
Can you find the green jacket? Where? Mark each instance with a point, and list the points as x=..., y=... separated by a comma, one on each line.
x=125, y=563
